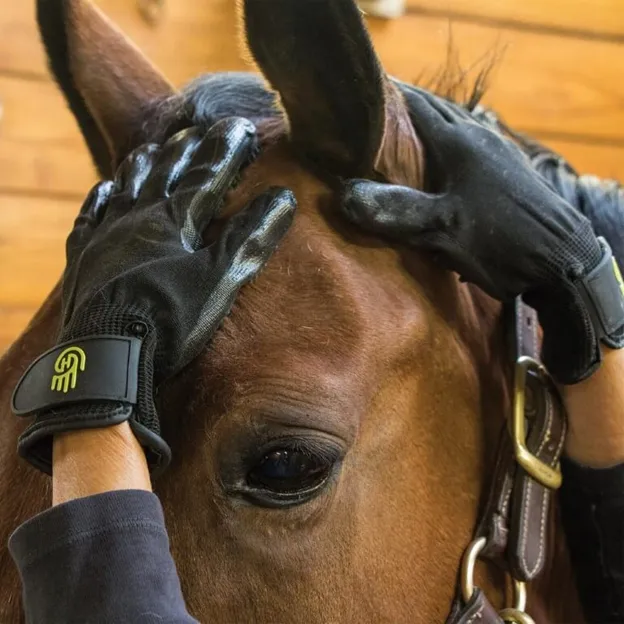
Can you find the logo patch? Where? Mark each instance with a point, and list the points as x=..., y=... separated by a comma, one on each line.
x=67, y=365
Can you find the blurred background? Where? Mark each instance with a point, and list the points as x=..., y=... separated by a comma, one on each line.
x=559, y=76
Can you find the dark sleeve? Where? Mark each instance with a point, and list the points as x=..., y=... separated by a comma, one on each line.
x=103, y=558
x=592, y=506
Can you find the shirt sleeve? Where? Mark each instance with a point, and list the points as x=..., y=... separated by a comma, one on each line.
x=592, y=509
x=103, y=558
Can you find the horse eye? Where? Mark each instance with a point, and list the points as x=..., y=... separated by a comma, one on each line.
x=287, y=470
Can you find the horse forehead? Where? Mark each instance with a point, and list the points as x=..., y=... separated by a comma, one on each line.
x=323, y=299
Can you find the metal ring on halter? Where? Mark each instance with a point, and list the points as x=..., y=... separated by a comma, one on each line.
x=471, y=554
x=520, y=595
x=515, y=614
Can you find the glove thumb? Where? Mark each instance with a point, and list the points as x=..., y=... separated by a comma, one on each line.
x=397, y=212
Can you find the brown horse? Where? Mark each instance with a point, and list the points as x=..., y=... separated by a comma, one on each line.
x=386, y=374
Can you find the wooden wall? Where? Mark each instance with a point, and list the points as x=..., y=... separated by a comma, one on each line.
x=560, y=78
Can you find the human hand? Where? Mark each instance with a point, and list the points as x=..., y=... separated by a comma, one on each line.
x=142, y=294
x=491, y=218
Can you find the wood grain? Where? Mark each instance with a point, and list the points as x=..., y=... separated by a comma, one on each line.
x=541, y=84
x=32, y=238
x=192, y=37
x=35, y=112
x=44, y=168
x=12, y=322
x=603, y=161
x=20, y=50
x=596, y=17
x=40, y=146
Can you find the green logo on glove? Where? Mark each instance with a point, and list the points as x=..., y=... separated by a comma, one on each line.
x=67, y=365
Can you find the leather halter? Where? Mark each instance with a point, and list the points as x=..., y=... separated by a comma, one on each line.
x=513, y=526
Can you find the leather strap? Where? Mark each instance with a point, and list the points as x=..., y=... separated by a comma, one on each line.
x=477, y=611
x=602, y=292
x=526, y=549
x=514, y=519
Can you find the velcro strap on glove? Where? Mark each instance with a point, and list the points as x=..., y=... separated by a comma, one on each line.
x=603, y=293
x=94, y=368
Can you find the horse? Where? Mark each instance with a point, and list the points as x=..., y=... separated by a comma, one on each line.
x=384, y=377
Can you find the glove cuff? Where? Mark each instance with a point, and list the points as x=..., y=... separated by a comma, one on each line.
x=579, y=314
x=602, y=291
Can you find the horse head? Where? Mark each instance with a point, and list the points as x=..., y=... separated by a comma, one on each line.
x=332, y=443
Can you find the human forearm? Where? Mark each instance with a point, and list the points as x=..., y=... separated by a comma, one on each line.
x=102, y=558
x=93, y=461
x=105, y=532
x=596, y=414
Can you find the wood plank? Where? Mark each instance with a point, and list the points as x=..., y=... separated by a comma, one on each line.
x=20, y=50
x=192, y=37
x=598, y=17
x=32, y=254
x=44, y=168
x=40, y=146
x=543, y=83
x=35, y=112
x=13, y=321
x=604, y=161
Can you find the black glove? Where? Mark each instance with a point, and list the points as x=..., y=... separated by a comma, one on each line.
x=600, y=200
x=142, y=294
x=491, y=218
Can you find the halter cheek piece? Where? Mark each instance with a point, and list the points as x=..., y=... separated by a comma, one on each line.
x=513, y=526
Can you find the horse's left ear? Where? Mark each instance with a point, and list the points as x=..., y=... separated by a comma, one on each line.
x=342, y=110
x=107, y=82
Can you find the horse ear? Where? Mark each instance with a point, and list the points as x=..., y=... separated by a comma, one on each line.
x=340, y=106
x=107, y=82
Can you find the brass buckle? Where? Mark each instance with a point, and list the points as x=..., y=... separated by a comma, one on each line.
x=543, y=473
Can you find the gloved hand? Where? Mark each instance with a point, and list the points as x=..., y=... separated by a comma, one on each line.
x=142, y=294
x=491, y=218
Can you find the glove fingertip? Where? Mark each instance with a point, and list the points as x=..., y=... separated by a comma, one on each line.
x=281, y=201
x=97, y=200
x=374, y=205
x=276, y=205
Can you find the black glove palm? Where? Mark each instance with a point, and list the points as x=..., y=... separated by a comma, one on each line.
x=138, y=275
x=493, y=220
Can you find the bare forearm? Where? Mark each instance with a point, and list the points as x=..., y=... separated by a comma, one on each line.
x=596, y=414
x=93, y=461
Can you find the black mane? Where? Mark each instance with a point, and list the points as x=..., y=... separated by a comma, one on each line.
x=209, y=98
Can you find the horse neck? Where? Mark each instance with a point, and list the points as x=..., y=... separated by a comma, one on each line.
x=24, y=491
